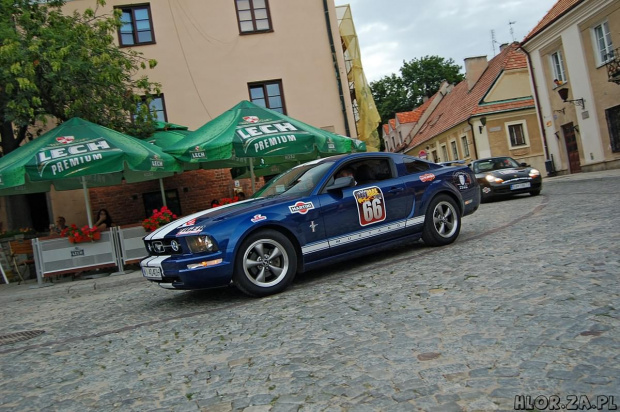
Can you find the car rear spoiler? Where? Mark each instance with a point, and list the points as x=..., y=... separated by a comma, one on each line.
x=452, y=162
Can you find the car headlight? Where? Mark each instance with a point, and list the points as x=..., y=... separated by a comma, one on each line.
x=534, y=173
x=202, y=243
x=493, y=179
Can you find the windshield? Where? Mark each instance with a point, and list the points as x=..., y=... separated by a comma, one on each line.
x=298, y=181
x=495, y=163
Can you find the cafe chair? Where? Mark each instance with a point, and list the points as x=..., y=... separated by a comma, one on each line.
x=22, y=257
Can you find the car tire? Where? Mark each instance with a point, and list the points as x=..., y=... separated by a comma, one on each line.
x=535, y=192
x=442, y=223
x=265, y=264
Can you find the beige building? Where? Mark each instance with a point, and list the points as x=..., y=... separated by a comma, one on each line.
x=288, y=56
x=574, y=60
x=490, y=113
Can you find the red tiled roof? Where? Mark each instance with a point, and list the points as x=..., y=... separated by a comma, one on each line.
x=386, y=128
x=504, y=106
x=558, y=10
x=393, y=123
x=408, y=117
x=461, y=103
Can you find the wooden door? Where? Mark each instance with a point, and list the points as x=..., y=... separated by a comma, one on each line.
x=571, y=147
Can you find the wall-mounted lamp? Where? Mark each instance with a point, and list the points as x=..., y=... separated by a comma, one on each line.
x=557, y=135
x=483, y=121
x=576, y=128
x=577, y=102
x=428, y=148
x=559, y=111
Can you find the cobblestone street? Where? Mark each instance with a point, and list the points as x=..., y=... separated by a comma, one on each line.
x=526, y=302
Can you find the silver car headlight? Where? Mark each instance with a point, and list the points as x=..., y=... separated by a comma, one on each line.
x=534, y=173
x=202, y=243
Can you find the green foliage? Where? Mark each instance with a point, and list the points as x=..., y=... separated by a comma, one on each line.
x=57, y=65
x=418, y=78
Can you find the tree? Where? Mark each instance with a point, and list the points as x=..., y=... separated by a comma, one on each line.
x=418, y=78
x=54, y=65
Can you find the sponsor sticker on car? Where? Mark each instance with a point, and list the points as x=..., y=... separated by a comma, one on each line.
x=258, y=218
x=427, y=177
x=462, y=180
x=370, y=205
x=301, y=207
x=190, y=230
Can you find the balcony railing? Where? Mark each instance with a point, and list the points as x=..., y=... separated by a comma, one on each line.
x=613, y=66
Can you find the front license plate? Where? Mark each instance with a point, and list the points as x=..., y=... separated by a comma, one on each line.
x=151, y=273
x=520, y=186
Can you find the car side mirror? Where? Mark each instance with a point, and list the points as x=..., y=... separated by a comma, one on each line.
x=524, y=164
x=341, y=183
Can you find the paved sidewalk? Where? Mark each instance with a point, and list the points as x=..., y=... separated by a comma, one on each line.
x=66, y=286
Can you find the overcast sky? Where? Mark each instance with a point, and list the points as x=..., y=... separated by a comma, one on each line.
x=391, y=31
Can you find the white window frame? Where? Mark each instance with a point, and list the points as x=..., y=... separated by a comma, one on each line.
x=602, y=30
x=465, y=147
x=523, y=124
x=454, y=146
x=444, y=152
x=557, y=67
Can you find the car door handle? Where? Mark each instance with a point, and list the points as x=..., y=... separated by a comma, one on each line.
x=395, y=190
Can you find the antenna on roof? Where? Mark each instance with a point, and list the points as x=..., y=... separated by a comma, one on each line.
x=493, y=41
x=512, y=33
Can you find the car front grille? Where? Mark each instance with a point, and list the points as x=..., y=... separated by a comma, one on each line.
x=163, y=247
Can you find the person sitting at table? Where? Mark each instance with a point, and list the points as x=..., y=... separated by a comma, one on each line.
x=104, y=220
x=61, y=224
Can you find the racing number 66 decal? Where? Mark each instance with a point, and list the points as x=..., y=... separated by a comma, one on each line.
x=370, y=205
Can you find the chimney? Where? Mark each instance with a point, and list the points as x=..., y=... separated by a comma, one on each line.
x=503, y=46
x=474, y=67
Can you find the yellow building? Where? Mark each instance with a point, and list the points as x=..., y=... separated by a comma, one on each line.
x=575, y=64
x=288, y=56
x=490, y=113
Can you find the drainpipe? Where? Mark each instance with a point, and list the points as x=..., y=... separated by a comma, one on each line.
x=473, y=137
x=335, y=60
x=540, y=119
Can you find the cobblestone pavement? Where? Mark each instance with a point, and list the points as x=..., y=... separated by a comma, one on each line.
x=526, y=302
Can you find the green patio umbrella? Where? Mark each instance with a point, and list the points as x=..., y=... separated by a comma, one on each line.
x=80, y=154
x=248, y=132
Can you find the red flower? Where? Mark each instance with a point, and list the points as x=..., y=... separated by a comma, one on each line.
x=158, y=218
x=78, y=235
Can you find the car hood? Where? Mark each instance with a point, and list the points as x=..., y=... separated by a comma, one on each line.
x=509, y=173
x=197, y=222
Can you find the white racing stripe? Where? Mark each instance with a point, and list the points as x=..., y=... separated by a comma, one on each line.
x=164, y=230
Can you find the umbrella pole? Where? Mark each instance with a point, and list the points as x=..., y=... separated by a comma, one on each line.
x=252, y=173
x=87, y=201
x=163, y=192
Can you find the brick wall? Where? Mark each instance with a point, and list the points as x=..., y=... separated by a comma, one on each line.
x=195, y=189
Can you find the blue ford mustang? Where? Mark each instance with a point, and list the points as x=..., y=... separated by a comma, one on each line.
x=313, y=214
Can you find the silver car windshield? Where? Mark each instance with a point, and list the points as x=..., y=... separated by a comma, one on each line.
x=298, y=181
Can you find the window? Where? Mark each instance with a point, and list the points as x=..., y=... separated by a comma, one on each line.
x=157, y=107
x=602, y=43
x=268, y=94
x=613, y=124
x=444, y=151
x=253, y=16
x=415, y=166
x=455, y=152
x=137, y=26
x=517, y=134
x=465, y=146
x=153, y=201
x=435, y=158
x=557, y=64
